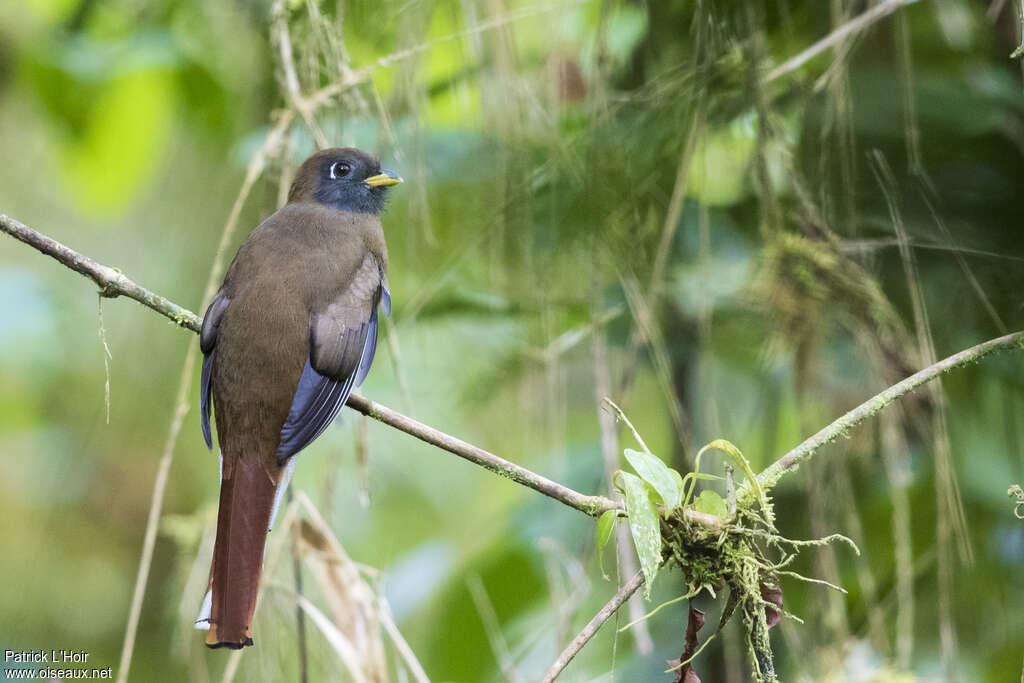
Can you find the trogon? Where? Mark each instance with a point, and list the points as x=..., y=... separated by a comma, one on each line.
x=292, y=329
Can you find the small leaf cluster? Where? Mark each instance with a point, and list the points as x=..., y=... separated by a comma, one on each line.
x=658, y=494
x=736, y=554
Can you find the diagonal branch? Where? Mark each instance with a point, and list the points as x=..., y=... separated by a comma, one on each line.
x=591, y=505
x=874, y=405
x=606, y=612
x=112, y=283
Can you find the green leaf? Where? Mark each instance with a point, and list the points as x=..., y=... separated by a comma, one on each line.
x=711, y=503
x=605, y=526
x=656, y=473
x=722, y=179
x=690, y=481
x=643, y=525
x=743, y=464
x=680, y=485
x=678, y=478
x=726, y=447
x=693, y=476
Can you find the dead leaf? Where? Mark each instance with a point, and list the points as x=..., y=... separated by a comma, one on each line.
x=772, y=594
x=685, y=673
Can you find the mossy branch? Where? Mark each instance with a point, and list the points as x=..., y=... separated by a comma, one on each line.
x=874, y=405
x=111, y=281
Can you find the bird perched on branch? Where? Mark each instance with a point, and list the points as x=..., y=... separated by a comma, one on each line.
x=290, y=332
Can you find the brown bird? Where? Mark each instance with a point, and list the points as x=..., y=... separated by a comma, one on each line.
x=291, y=330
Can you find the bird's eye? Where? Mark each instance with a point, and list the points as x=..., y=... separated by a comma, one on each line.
x=340, y=169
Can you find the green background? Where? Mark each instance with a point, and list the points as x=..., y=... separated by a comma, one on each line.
x=540, y=145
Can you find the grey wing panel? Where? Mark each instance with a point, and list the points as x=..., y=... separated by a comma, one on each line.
x=204, y=399
x=385, y=297
x=318, y=399
x=342, y=344
x=369, y=349
x=336, y=344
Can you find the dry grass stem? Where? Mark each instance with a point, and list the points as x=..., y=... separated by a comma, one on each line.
x=624, y=555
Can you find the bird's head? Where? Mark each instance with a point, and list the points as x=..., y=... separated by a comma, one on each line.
x=344, y=178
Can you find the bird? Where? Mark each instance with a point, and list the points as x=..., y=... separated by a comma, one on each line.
x=289, y=333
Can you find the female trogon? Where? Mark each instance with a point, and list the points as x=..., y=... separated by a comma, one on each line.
x=290, y=332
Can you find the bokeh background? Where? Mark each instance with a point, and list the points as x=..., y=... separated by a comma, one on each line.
x=618, y=191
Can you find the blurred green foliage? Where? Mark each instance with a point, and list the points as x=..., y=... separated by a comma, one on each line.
x=541, y=145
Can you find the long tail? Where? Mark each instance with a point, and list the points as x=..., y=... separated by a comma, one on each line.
x=246, y=501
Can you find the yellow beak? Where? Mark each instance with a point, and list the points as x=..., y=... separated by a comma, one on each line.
x=383, y=179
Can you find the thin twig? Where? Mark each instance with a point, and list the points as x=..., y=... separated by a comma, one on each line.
x=153, y=521
x=855, y=25
x=111, y=281
x=404, y=651
x=903, y=241
x=291, y=80
x=950, y=521
x=591, y=505
x=675, y=205
x=362, y=449
x=995, y=8
x=647, y=326
x=626, y=558
x=355, y=77
x=610, y=608
x=638, y=337
x=1020, y=22
x=622, y=416
x=107, y=357
x=492, y=628
x=391, y=337
x=300, y=615
x=346, y=651
x=896, y=466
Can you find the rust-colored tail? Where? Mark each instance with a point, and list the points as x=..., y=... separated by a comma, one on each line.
x=246, y=501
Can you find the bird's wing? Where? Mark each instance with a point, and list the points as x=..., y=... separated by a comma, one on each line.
x=207, y=342
x=342, y=342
